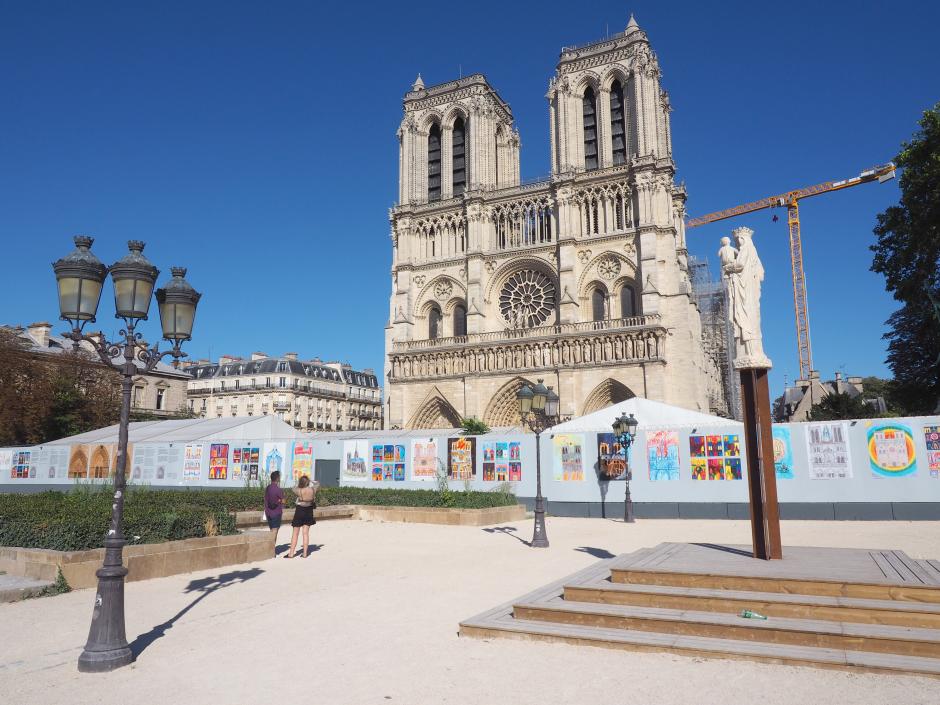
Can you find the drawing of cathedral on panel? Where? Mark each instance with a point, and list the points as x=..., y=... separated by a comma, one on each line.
x=581, y=279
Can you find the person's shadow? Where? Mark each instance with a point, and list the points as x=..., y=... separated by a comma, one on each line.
x=596, y=552
x=205, y=587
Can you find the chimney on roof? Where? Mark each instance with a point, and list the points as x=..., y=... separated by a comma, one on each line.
x=258, y=356
x=838, y=376
x=856, y=382
x=290, y=356
x=226, y=359
x=40, y=333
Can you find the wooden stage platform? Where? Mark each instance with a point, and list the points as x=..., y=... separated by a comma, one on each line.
x=856, y=609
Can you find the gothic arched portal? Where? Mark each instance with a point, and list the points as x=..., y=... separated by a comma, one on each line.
x=436, y=412
x=503, y=409
x=607, y=393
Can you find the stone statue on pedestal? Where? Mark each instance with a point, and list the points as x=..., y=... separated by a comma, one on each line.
x=744, y=273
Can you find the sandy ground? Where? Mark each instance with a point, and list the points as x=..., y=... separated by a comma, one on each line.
x=371, y=617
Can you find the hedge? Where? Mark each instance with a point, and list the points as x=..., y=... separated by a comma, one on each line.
x=78, y=520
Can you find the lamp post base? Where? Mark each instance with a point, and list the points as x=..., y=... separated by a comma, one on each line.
x=539, y=537
x=107, y=648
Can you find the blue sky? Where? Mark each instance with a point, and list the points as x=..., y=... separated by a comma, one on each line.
x=255, y=144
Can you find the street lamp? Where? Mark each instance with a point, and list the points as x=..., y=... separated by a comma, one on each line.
x=80, y=276
x=538, y=408
x=625, y=430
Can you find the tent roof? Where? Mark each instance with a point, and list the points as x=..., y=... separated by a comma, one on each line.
x=647, y=412
x=185, y=430
x=405, y=433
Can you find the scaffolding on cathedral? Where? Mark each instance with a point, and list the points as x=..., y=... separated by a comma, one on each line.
x=717, y=338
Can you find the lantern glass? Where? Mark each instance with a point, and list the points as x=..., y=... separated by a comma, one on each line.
x=618, y=425
x=631, y=424
x=78, y=298
x=132, y=296
x=177, y=318
x=524, y=396
x=551, y=404
x=539, y=395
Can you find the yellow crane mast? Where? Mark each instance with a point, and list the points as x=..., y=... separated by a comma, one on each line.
x=791, y=200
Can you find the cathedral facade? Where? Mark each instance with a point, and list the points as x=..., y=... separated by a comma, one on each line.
x=580, y=279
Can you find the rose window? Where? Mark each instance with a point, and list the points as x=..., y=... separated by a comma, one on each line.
x=527, y=299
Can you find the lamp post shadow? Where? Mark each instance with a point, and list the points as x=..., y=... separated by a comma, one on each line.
x=204, y=586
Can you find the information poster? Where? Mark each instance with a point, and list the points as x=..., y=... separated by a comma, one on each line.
x=22, y=467
x=662, y=454
x=51, y=462
x=355, y=460
x=610, y=459
x=932, y=440
x=144, y=462
x=391, y=467
x=715, y=457
x=827, y=448
x=218, y=461
x=891, y=451
x=169, y=462
x=461, y=458
x=568, y=457
x=192, y=462
x=424, y=460
x=274, y=459
x=302, y=462
x=78, y=461
x=6, y=460
x=783, y=453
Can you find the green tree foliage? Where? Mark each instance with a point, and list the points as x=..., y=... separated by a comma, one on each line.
x=49, y=396
x=908, y=255
x=836, y=407
x=473, y=427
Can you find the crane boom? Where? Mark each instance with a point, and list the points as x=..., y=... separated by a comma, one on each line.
x=790, y=200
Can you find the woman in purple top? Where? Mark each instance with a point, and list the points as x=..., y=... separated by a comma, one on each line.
x=274, y=502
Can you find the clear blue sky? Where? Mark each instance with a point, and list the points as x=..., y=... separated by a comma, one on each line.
x=255, y=144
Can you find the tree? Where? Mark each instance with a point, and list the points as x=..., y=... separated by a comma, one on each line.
x=908, y=255
x=836, y=407
x=473, y=427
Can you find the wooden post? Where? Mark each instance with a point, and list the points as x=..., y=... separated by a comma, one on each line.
x=762, y=480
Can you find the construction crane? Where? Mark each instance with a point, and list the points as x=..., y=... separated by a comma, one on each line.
x=790, y=201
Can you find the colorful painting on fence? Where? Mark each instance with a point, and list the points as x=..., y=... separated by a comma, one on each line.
x=715, y=456
x=827, y=449
x=355, y=461
x=783, y=453
x=424, y=460
x=461, y=458
x=245, y=462
x=273, y=459
x=502, y=461
x=611, y=464
x=78, y=461
x=21, y=466
x=568, y=457
x=662, y=452
x=388, y=462
x=891, y=451
x=192, y=462
x=301, y=461
x=932, y=440
x=218, y=461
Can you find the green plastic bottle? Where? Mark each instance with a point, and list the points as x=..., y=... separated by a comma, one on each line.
x=749, y=614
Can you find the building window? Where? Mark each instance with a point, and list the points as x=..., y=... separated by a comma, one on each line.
x=161, y=395
x=459, y=157
x=627, y=302
x=460, y=320
x=238, y=384
x=618, y=134
x=138, y=393
x=282, y=367
x=434, y=163
x=589, y=109
x=203, y=404
x=599, y=305
x=434, y=323
x=282, y=381
x=223, y=385
x=192, y=404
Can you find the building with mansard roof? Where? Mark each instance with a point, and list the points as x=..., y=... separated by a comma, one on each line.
x=581, y=278
x=310, y=395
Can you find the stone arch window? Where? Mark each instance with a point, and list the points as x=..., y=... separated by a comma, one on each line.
x=460, y=320
x=100, y=463
x=618, y=133
x=619, y=211
x=628, y=301
x=434, y=163
x=434, y=323
x=589, y=111
x=598, y=304
x=459, y=152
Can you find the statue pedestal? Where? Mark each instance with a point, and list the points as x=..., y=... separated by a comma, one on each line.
x=762, y=480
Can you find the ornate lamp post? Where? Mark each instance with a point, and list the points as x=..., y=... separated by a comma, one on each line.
x=625, y=430
x=538, y=408
x=80, y=276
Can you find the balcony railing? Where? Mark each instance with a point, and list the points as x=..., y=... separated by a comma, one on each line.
x=513, y=334
x=313, y=391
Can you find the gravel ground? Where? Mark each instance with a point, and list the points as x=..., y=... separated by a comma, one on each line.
x=372, y=615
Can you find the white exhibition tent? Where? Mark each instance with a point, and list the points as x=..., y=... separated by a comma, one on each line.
x=649, y=414
x=190, y=430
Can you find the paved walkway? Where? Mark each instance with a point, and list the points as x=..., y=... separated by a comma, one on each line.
x=14, y=587
x=371, y=617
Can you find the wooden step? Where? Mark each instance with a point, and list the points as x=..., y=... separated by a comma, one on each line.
x=711, y=647
x=839, y=609
x=798, y=586
x=776, y=630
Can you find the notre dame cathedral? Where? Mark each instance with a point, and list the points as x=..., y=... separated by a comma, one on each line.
x=581, y=279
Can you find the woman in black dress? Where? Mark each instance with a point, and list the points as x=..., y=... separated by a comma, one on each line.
x=303, y=513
